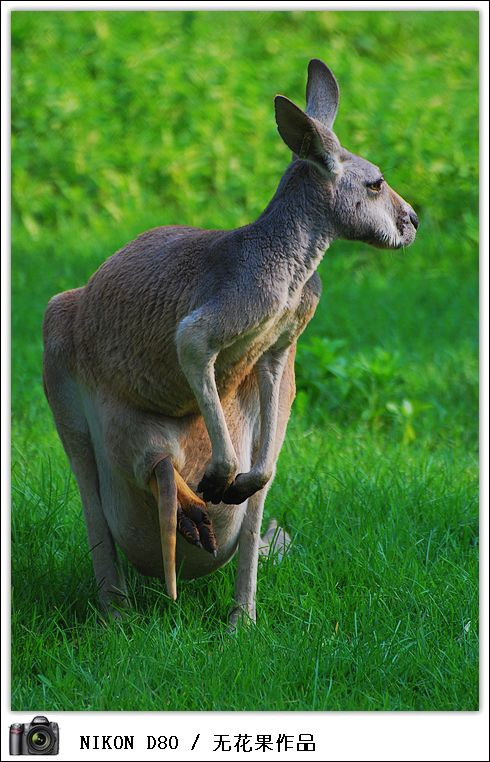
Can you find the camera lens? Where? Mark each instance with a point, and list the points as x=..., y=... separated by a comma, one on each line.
x=39, y=740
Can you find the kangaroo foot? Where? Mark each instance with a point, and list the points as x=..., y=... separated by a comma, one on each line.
x=195, y=526
x=193, y=520
x=241, y=615
x=275, y=542
x=113, y=603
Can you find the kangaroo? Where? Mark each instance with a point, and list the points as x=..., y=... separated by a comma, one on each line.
x=179, y=353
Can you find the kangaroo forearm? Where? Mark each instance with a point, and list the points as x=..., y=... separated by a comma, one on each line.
x=269, y=373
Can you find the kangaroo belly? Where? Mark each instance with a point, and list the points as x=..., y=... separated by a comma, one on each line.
x=132, y=515
x=126, y=442
x=133, y=520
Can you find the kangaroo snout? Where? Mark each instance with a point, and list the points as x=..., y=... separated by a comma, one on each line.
x=407, y=224
x=413, y=219
x=406, y=221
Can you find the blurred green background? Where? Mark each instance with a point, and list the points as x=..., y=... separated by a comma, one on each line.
x=122, y=121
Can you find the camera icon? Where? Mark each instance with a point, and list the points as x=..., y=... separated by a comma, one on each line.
x=36, y=737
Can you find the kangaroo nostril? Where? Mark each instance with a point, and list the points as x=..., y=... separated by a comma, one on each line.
x=414, y=219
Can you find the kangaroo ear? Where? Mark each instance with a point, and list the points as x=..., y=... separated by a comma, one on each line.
x=322, y=93
x=306, y=137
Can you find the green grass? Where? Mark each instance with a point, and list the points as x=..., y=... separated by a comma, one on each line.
x=140, y=119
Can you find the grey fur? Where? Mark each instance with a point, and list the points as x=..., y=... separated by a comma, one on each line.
x=181, y=346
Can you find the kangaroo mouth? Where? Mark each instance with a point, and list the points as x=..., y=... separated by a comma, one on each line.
x=404, y=237
x=383, y=242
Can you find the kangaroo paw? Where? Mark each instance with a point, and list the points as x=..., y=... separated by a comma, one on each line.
x=212, y=488
x=244, y=486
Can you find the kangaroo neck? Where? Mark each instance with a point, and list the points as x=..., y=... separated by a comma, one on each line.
x=295, y=229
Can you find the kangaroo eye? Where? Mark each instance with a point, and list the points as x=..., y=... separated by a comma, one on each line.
x=376, y=185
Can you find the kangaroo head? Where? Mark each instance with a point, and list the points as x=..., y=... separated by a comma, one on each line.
x=358, y=201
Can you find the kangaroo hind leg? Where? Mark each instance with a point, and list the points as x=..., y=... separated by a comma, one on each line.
x=63, y=396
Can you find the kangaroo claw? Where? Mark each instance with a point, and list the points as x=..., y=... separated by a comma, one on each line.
x=195, y=526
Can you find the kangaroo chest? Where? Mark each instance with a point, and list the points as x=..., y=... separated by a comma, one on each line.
x=157, y=381
x=237, y=360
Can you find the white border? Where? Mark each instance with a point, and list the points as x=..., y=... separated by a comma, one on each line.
x=340, y=736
